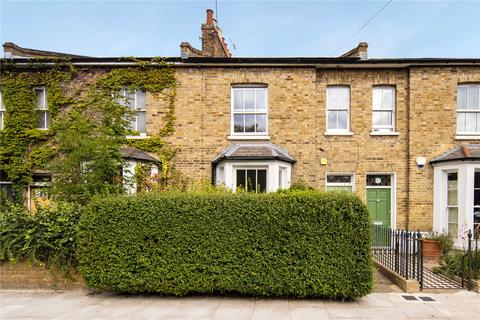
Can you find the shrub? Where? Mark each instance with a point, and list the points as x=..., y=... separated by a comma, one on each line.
x=452, y=264
x=48, y=236
x=300, y=244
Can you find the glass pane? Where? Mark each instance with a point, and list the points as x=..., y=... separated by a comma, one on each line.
x=249, y=99
x=261, y=95
x=339, y=178
x=462, y=98
x=331, y=100
x=387, y=98
x=477, y=179
x=472, y=98
x=130, y=100
x=453, y=222
x=238, y=123
x=261, y=123
x=342, y=119
x=238, y=99
x=377, y=118
x=476, y=197
x=41, y=119
x=387, y=118
x=461, y=122
x=240, y=179
x=141, y=100
x=249, y=123
x=343, y=98
x=40, y=98
x=1, y=120
x=379, y=180
x=332, y=119
x=471, y=122
x=452, y=197
x=6, y=193
x=377, y=98
x=142, y=121
x=251, y=180
x=47, y=119
x=453, y=230
x=262, y=180
x=133, y=124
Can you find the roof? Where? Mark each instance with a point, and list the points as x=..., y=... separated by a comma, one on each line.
x=14, y=51
x=463, y=152
x=137, y=154
x=254, y=151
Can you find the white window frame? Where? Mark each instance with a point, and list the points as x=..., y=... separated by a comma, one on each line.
x=467, y=111
x=43, y=107
x=123, y=93
x=246, y=168
x=2, y=111
x=328, y=108
x=385, y=128
x=255, y=112
x=449, y=206
x=475, y=207
x=340, y=184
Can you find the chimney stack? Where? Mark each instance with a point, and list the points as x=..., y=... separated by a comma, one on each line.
x=210, y=17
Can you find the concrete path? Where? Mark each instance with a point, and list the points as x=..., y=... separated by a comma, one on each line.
x=16, y=304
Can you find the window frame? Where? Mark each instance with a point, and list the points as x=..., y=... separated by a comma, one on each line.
x=340, y=184
x=123, y=95
x=246, y=168
x=3, y=111
x=44, y=108
x=467, y=111
x=449, y=206
x=255, y=87
x=379, y=129
x=348, y=129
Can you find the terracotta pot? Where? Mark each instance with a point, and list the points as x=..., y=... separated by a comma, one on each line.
x=431, y=249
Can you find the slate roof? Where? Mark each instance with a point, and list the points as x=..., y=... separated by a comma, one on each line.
x=137, y=154
x=464, y=152
x=254, y=151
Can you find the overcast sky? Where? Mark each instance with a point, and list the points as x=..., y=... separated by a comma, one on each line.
x=258, y=28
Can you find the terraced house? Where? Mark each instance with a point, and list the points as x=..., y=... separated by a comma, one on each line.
x=404, y=134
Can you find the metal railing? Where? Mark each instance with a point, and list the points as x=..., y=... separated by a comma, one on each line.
x=399, y=250
x=473, y=260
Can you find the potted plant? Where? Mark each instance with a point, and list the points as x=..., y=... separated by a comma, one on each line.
x=436, y=244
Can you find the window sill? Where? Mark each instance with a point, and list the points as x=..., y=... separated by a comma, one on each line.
x=141, y=136
x=338, y=133
x=43, y=129
x=385, y=133
x=248, y=137
x=468, y=137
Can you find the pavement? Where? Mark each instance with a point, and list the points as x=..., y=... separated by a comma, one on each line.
x=49, y=304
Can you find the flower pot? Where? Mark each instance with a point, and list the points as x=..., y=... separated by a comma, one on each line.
x=431, y=249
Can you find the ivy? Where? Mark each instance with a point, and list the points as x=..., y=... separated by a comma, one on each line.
x=81, y=121
x=23, y=148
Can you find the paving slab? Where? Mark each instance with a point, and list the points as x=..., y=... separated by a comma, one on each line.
x=58, y=305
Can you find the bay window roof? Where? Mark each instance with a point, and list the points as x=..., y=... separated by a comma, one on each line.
x=254, y=151
x=463, y=152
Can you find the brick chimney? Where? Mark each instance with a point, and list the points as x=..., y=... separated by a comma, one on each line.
x=213, y=43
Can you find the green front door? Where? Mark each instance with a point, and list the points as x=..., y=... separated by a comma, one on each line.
x=378, y=203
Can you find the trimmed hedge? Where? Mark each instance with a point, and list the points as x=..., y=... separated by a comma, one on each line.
x=300, y=244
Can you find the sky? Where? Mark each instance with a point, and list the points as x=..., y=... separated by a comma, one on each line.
x=420, y=29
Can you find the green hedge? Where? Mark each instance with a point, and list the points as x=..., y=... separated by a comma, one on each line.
x=49, y=236
x=300, y=244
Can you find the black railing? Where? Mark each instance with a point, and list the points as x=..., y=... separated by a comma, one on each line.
x=471, y=268
x=399, y=250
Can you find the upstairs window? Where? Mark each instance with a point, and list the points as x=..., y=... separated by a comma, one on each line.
x=137, y=102
x=338, y=109
x=383, y=109
x=249, y=110
x=43, y=114
x=468, y=109
x=2, y=111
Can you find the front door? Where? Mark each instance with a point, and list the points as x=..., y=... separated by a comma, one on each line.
x=378, y=203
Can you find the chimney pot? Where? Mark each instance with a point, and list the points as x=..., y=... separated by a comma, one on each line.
x=210, y=17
